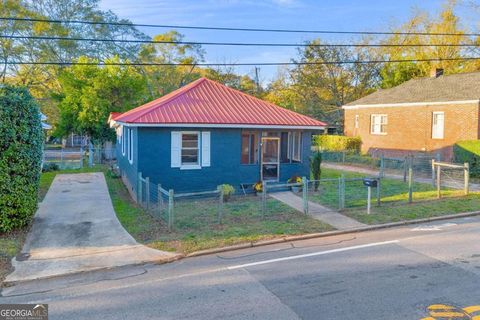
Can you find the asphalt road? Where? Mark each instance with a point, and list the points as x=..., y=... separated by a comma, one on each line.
x=387, y=274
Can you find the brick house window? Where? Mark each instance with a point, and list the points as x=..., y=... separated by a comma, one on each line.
x=438, y=125
x=378, y=124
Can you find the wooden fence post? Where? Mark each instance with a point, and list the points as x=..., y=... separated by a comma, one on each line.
x=433, y=172
x=466, y=174
x=170, y=210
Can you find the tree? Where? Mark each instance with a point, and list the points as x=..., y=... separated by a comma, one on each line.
x=90, y=93
x=21, y=139
x=393, y=74
x=319, y=85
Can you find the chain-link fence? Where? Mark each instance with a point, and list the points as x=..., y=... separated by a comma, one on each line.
x=63, y=158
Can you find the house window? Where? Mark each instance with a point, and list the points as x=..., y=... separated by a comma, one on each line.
x=249, y=148
x=189, y=152
x=124, y=140
x=130, y=145
x=296, y=146
x=378, y=124
x=357, y=119
x=438, y=125
x=284, y=147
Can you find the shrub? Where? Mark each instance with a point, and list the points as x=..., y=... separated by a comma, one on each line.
x=20, y=157
x=315, y=168
x=47, y=167
x=468, y=151
x=228, y=190
x=337, y=143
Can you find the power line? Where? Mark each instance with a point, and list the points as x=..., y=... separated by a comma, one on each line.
x=241, y=29
x=234, y=43
x=102, y=63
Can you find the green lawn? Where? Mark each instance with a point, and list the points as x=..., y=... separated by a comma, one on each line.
x=394, y=199
x=196, y=226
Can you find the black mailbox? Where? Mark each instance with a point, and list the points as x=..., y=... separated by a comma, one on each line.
x=370, y=182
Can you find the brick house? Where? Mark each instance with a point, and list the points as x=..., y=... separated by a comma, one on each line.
x=421, y=115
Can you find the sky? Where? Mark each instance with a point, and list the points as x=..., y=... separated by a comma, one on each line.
x=356, y=15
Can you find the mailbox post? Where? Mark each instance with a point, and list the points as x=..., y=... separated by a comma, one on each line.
x=370, y=183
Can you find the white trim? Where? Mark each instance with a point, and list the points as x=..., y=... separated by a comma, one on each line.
x=439, y=133
x=206, y=125
x=205, y=146
x=191, y=165
x=372, y=124
x=130, y=146
x=409, y=104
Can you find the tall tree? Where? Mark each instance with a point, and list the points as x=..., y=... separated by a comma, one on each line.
x=90, y=93
x=393, y=74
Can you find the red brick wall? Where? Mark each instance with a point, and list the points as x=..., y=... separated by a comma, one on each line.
x=410, y=128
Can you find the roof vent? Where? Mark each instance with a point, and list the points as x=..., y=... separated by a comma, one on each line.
x=436, y=72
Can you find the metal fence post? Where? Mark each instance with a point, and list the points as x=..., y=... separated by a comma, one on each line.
x=466, y=174
x=139, y=188
x=160, y=197
x=439, y=182
x=382, y=166
x=305, y=194
x=343, y=156
x=379, y=183
x=264, y=198
x=170, y=210
x=405, y=169
x=147, y=192
x=81, y=157
x=90, y=154
x=220, y=204
x=410, y=185
x=341, y=192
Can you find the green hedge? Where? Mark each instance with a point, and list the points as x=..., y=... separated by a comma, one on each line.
x=20, y=157
x=337, y=143
x=468, y=151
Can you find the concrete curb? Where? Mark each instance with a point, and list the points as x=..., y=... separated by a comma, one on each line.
x=331, y=233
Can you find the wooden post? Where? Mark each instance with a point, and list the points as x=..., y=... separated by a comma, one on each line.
x=171, y=220
x=466, y=174
x=147, y=192
x=433, y=172
x=220, y=204
x=410, y=185
x=439, y=182
x=305, y=194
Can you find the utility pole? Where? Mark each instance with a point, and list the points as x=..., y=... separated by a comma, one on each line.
x=257, y=80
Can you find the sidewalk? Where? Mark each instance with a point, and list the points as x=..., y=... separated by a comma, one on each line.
x=76, y=230
x=319, y=212
x=373, y=172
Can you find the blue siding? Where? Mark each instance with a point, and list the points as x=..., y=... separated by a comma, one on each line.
x=129, y=171
x=153, y=159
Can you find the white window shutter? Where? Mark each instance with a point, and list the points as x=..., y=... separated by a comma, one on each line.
x=206, y=149
x=176, y=147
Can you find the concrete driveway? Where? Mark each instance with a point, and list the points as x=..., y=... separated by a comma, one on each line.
x=75, y=230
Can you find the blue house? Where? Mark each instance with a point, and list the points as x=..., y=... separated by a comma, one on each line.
x=206, y=134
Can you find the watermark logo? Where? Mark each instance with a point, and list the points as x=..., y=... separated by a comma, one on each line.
x=446, y=312
x=23, y=311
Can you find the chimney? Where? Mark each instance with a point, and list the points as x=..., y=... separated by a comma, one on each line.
x=436, y=72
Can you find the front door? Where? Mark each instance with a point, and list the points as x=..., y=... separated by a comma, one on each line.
x=270, y=166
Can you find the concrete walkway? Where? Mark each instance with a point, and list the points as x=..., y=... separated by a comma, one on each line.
x=319, y=212
x=373, y=172
x=75, y=230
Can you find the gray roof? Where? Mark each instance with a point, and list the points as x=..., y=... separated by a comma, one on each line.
x=455, y=87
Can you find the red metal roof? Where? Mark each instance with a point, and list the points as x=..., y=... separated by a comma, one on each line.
x=208, y=102
x=114, y=115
